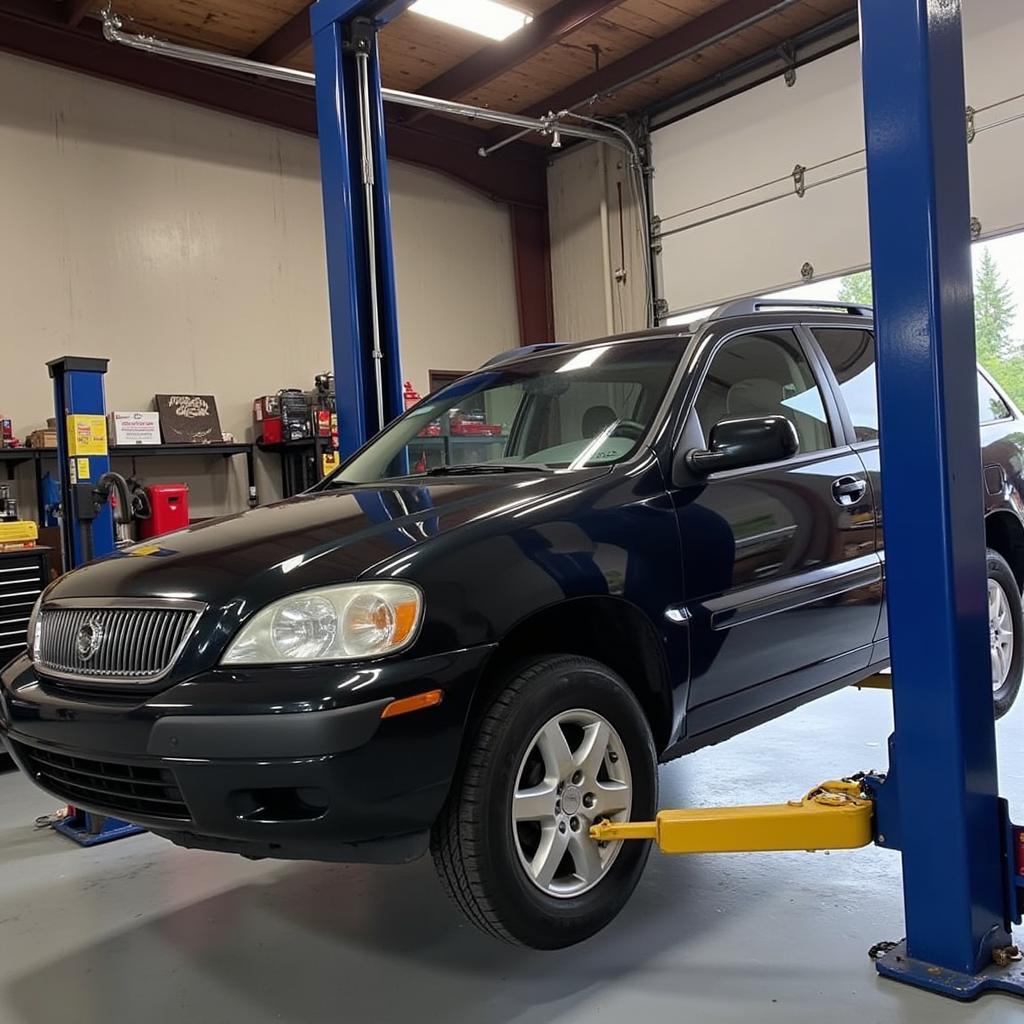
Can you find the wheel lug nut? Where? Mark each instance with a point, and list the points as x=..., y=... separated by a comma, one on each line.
x=561, y=826
x=589, y=800
x=577, y=778
x=574, y=824
x=558, y=807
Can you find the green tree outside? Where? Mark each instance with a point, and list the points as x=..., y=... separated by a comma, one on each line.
x=994, y=314
x=856, y=289
x=994, y=310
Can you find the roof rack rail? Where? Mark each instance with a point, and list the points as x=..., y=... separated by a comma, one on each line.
x=741, y=307
x=518, y=353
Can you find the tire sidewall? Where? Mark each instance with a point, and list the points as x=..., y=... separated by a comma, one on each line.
x=998, y=570
x=533, y=917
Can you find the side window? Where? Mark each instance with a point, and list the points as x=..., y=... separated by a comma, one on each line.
x=764, y=374
x=990, y=406
x=851, y=354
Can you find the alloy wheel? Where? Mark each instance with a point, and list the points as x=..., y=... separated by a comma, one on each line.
x=574, y=773
x=1000, y=632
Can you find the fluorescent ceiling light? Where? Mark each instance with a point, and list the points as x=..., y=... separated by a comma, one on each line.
x=486, y=17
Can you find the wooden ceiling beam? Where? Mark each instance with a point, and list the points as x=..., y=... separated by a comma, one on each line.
x=39, y=32
x=296, y=32
x=287, y=41
x=725, y=19
x=547, y=29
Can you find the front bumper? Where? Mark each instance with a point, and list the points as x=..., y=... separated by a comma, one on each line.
x=269, y=762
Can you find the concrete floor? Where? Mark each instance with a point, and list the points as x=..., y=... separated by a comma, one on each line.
x=143, y=931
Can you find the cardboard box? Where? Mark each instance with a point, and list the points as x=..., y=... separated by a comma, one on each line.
x=265, y=407
x=42, y=439
x=135, y=428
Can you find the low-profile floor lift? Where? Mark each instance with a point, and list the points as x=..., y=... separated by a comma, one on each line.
x=938, y=803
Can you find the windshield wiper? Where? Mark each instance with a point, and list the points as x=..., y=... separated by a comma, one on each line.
x=469, y=468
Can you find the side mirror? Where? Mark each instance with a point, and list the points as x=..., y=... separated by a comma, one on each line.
x=736, y=443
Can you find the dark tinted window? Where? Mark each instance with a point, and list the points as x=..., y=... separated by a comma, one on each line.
x=990, y=406
x=765, y=374
x=851, y=354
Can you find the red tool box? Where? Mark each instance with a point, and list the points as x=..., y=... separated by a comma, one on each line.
x=170, y=510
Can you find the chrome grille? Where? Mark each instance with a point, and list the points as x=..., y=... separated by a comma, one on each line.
x=131, y=644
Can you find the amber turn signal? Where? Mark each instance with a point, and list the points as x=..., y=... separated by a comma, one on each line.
x=408, y=704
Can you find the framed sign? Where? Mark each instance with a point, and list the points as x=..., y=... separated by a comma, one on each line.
x=189, y=419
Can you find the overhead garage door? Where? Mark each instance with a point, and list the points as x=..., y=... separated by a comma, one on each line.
x=733, y=223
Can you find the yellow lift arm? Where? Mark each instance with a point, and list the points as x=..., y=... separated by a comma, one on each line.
x=879, y=681
x=834, y=816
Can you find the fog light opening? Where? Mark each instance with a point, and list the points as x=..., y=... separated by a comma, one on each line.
x=286, y=803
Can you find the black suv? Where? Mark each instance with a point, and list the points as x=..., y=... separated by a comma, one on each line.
x=485, y=630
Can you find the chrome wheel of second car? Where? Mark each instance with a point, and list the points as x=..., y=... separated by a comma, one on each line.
x=1000, y=632
x=574, y=773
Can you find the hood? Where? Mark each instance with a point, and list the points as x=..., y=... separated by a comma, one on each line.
x=329, y=536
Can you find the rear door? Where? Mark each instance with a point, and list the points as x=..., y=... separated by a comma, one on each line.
x=781, y=573
x=849, y=354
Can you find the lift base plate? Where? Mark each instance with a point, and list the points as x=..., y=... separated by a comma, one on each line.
x=88, y=829
x=895, y=964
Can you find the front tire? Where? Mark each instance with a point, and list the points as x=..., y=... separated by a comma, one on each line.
x=563, y=744
x=1006, y=633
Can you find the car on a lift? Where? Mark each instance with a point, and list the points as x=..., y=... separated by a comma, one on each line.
x=485, y=642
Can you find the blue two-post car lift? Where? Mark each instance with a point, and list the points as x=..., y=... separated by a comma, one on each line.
x=962, y=857
x=963, y=860
x=357, y=214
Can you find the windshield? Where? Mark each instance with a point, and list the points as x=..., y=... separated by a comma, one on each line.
x=560, y=410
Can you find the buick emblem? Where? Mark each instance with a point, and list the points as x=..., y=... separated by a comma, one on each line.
x=89, y=638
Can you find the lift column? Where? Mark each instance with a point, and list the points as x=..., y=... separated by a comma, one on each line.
x=357, y=215
x=80, y=412
x=949, y=823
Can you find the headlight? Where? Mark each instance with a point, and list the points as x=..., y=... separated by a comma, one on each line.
x=35, y=629
x=354, y=620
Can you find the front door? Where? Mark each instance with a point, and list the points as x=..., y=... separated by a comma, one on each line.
x=780, y=568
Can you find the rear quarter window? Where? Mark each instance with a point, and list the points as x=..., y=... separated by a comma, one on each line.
x=991, y=408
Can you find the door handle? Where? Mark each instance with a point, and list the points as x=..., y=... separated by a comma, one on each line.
x=848, y=490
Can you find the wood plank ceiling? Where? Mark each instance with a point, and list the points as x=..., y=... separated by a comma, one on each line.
x=603, y=57
x=417, y=51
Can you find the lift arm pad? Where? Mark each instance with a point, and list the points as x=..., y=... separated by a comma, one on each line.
x=835, y=816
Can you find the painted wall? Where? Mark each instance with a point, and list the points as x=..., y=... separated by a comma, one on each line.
x=597, y=270
x=187, y=246
x=731, y=157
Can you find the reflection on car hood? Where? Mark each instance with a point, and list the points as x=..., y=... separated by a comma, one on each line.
x=314, y=539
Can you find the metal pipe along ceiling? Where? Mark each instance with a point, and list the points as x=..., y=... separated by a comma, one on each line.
x=113, y=33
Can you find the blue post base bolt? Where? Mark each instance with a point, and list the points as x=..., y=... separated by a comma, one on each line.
x=1005, y=975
